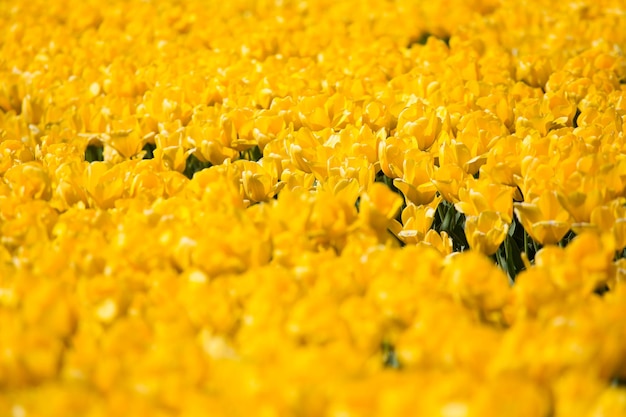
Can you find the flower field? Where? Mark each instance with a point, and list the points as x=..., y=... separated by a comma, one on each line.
x=313, y=208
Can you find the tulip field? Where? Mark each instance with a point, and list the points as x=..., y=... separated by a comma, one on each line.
x=313, y=208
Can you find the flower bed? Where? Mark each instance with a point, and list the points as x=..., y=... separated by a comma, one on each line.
x=322, y=208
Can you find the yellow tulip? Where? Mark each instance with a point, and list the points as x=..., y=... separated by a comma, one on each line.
x=581, y=203
x=476, y=133
x=104, y=184
x=378, y=206
x=501, y=104
x=475, y=280
x=452, y=152
x=479, y=196
x=147, y=184
x=376, y=115
x=448, y=179
x=207, y=147
x=415, y=183
x=592, y=254
x=612, y=219
x=440, y=241
x=486, y=231
x=391, y=153
x=257, y=183
x=421, y=122
x=612, y=402
x=534, y=69
x=416, y=222
x=126, y=142
x=495, y=398
x=313, y=113
x=171, y=151
x=13, y=151
x=303, y=150
x=29, y=180
x=236, y=129
x=544, y=219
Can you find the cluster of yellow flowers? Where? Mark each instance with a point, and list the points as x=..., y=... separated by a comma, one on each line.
x=312, y=268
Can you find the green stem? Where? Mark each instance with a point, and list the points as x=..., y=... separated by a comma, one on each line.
x=509, y=257
x=526, y=243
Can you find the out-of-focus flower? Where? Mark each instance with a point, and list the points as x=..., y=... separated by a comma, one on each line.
x=612, y=219
x=535, y=399
x=29, y=180
x=378, y=207
x=11, y=152
x=474, y=279
x=534, y=69
x=333, y=215
x=612, y=402
x=592, y=254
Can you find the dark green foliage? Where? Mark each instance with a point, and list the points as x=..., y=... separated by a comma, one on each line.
x=252, y=154
x=381, y=177
x=619, y=382
x=601, y=290
x=194, y=165
x=149, y=149
x=449, y=220
x=390, y=360
x=509, y=255
x=94, y=153
x=575, y=119
x=422, y=38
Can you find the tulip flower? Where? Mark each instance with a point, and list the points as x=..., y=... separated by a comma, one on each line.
x=29, y=180
x=257, y=183
x=612, y=218
x=448, y=179
x=415, y=182
x=104, y=184
x=391, y=153
x=486, y=231
x=377, y=207
x=478, y=196
x=284, y=247
x=544, y=219
x=416, y=222
x=440, y=241
x=421, y=122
